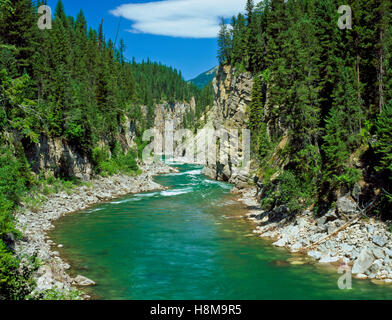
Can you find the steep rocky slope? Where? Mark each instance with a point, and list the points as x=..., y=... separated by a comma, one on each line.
x=60, y=158
x=341, y=237
x=232, y=97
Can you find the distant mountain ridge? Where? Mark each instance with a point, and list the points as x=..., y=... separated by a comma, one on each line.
x=205, y=78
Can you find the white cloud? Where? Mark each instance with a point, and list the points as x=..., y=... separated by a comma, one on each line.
x=179, y=18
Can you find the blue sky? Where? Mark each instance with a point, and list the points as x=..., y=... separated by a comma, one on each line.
x=178, y=33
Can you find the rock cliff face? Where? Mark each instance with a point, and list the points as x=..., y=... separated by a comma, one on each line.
x=232, y=97
x=55, y=156
x=172, y=113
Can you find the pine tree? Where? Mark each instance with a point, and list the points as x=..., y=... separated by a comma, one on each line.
x=331, y=47
x=342, y=132
x=239, y=39
x=383, y=146
x=256, y=106
x=18, y=28
x=383, y=149
x=362, y=44
x=385, y=55
x=224, y=43
x=249, y=10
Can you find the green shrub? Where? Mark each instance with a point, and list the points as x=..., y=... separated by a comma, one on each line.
x=6, y=223
x=12, y=183
x=100, y=155
x=120, y=162
x=127, y=162
x=287, y=190
x=57, y=294
x=349, y=177
x=15, y=279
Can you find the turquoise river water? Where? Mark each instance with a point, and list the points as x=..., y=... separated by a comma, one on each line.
x=188, y=243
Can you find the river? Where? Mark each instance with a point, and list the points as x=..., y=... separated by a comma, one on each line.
x=187, y=242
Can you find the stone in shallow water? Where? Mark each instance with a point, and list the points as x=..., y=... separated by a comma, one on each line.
x=328, y=259
x=296, y=246
x=376, y=281
x=315, y=254
x=83, y=281
x=280, y=243
x=281, y=263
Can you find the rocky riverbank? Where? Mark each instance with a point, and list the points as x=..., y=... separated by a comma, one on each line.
x=342, y=237
x=52, y=274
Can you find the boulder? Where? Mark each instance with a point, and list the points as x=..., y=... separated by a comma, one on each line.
x=347, y=249
x=241, y=185
x=280, y=243
x=321, y=221
x=371, y=229
x=378, y=253
x=346, y=206
x=296, y=246
x=316, y=237
x=322, y=229
x=356, y=192
x=283, y=210
x=363, y=262
x=379, y=240
x=388, y=252
x=291, y=231
x=331, y=228
x=302, y=222
x=328, y=259
x=331, y=215
x=314, y=254
x=376, y=266
x=83, y=281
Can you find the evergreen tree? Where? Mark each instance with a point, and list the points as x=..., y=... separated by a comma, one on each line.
x=18, y=28
x=383, y=149
x=224, y=43
x=383, y=146
x=342, y=133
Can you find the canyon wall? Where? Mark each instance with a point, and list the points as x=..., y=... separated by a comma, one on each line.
x=60, y=158
x=232, y=98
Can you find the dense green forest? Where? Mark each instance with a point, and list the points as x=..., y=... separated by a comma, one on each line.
x=328, y=90
x=324, y=90
x=70, y=83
